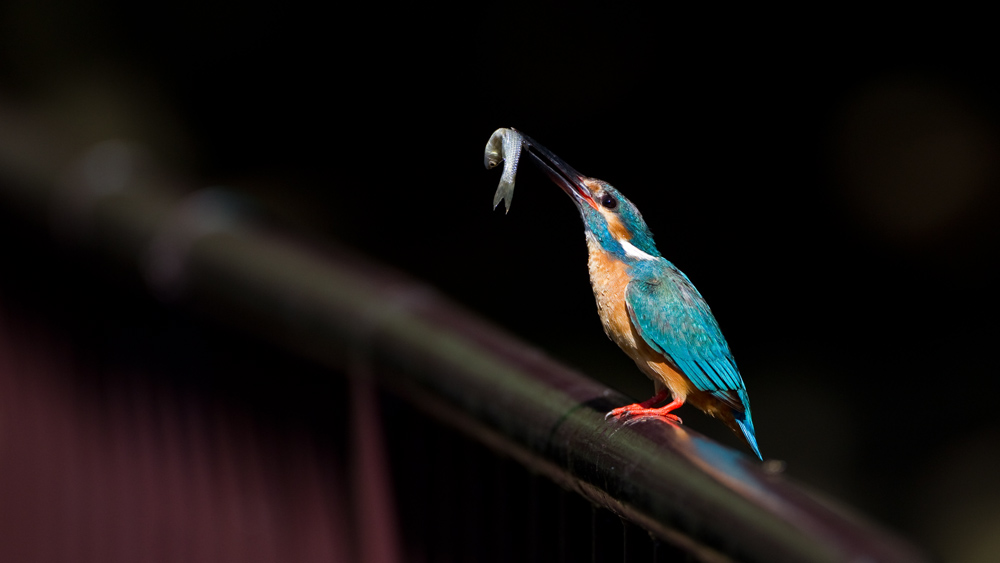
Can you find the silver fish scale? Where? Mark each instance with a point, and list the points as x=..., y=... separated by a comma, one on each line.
x=505, y=145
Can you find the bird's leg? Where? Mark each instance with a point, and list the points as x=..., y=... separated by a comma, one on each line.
x=660, y=396
x=643, y=408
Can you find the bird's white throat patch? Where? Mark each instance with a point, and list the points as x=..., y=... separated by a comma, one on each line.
x=631, y=250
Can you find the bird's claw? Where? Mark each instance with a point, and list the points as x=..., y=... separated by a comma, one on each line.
x=637, y=411
x=616, y=413
x=673, y=417
x=623, y=412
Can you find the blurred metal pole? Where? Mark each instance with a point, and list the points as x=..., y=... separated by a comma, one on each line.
x=337, y=308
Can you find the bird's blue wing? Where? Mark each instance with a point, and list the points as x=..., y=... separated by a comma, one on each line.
x=673, y=318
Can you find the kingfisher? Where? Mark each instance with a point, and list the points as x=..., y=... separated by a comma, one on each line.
x=651, y=309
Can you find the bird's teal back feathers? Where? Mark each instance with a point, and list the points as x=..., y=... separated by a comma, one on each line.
x=673, y=318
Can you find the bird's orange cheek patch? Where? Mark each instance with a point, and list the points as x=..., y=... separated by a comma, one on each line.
x=616, y=228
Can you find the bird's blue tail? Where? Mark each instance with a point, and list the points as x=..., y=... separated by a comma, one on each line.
x=747, y=427
x=746, y=423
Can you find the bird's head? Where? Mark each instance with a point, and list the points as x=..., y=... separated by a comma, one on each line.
x=614, y=223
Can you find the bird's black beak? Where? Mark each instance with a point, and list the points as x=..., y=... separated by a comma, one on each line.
x=571, y=181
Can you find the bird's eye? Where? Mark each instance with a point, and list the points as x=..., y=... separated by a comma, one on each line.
x=609, y=201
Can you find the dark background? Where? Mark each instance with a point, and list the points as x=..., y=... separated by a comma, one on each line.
x=831, y=188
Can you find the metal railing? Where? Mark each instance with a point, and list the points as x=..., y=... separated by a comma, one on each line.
x=373, y=323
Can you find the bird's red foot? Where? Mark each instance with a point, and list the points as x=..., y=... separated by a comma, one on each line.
x=643, y=409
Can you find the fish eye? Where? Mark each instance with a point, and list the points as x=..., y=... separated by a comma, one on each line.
x=609, y=201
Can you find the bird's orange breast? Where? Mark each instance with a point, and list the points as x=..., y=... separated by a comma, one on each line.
x=609, y=278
